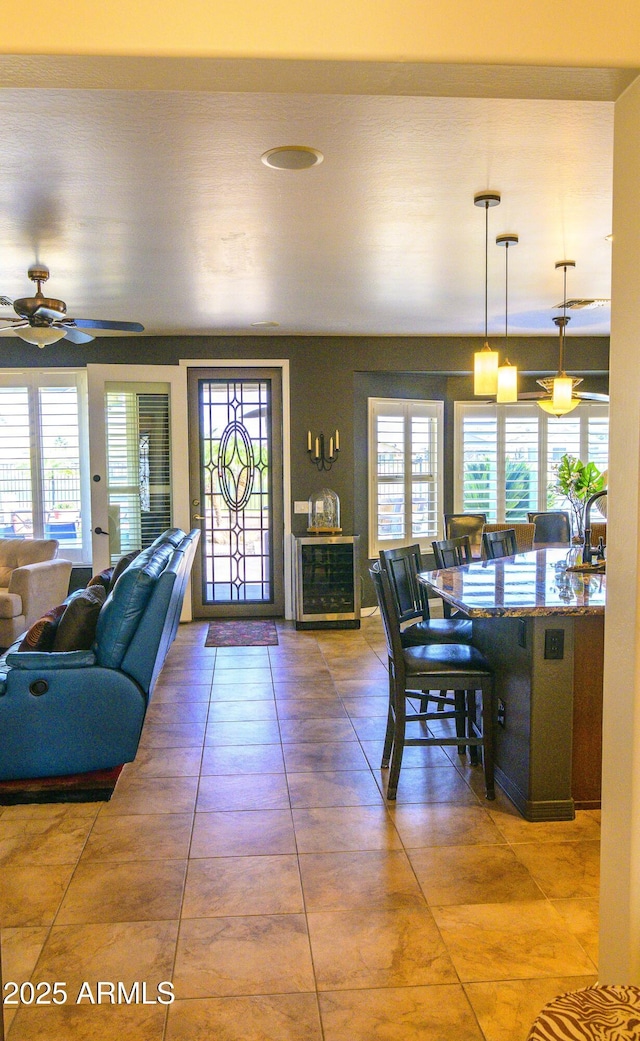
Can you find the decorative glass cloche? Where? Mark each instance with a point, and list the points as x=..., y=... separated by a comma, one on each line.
x=324, y=512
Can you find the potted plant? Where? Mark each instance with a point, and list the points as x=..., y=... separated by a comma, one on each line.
x=576, y=481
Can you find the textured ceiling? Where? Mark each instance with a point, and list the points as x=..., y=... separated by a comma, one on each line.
x=154, y=206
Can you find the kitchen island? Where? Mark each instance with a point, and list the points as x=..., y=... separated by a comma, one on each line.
x=542, y=629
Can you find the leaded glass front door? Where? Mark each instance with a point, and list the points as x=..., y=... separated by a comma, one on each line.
x=236, y=491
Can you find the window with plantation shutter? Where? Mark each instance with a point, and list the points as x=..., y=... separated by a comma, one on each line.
x=44, y=490
x=506, y=455
x=138, y=464
x=405, y=472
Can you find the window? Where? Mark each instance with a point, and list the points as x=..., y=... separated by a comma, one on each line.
x=506, y=455
x=405, y=472
x=44, y=483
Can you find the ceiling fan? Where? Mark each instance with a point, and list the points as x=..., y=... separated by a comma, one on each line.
x=43, y=320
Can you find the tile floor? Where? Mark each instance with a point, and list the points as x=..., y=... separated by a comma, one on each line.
x=249, y=856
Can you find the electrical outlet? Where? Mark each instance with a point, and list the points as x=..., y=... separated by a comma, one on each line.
x=502, y=713
x=300, y=507
x=554, y=644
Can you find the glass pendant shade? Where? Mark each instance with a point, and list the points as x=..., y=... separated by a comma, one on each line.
x=507, y=383
x=41, y=336
x=560, y=398
x=485, y=372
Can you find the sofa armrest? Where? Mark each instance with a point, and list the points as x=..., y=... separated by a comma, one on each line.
x=41, y=586
x=49, y=659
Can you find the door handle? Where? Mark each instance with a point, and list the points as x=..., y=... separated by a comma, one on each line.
x=100, y=531
x=197, y=516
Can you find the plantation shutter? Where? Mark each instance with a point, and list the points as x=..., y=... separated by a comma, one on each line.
x=138, y=465
x=506, y=455
x=405, y=473
x=43, y=478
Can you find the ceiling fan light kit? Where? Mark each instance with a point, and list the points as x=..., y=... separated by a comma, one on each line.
x=43, y=320
x=560, y=397
x=40, y=335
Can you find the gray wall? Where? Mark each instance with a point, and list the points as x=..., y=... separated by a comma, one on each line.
x=331, y=378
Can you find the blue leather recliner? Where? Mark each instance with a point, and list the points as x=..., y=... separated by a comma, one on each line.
x=76, y=711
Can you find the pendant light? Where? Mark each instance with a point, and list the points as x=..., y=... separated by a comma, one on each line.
x=485, y=362
x=560, y=389
x=507, y=374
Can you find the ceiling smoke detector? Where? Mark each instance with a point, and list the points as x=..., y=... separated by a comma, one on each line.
x=292, y=157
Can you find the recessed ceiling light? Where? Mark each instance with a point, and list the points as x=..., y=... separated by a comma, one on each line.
x=265, y=325
x=292, y=157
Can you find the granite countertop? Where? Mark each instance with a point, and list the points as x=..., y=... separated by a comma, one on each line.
x=528, y=584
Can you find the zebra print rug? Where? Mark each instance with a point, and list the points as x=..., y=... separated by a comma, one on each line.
x=593, y=1014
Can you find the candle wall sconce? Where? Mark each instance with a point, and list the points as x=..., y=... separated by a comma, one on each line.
x=322, y=457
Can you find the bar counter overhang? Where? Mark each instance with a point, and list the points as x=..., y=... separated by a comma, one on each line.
x=542, y=629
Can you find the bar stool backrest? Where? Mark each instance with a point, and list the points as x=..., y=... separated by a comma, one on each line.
x=551, y=526
x=458, y=524
x=452, y=552
x=388, y=613
x=402, y=566
x=497, y=544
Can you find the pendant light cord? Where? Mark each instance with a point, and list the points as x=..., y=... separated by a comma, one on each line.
x=486, y=267
x=564, y=321
x=506, y=290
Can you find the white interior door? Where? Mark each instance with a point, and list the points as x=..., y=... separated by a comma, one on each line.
x=125, y=403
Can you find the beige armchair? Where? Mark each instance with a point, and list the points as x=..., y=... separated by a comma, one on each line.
x=32, y=581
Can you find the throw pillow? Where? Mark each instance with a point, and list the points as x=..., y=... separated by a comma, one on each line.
x=121, y=566
x=41, y=635
x=103, y=579
x=77, y=628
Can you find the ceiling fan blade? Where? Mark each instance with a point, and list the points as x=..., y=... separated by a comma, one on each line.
x=74, y=335
x=48, y=312
x=12, y=323
x=97, y=323
x=585, y=395
x=592, y=395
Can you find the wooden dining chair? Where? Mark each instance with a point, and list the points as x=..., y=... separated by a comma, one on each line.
x=437, y=669
x=499, y=543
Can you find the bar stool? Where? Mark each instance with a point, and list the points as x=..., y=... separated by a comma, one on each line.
x=524, y=533
x=452, y=552
x=458, y=524
x=499, y=544
x=402, y=566
x=552, y=526
x=433, y=667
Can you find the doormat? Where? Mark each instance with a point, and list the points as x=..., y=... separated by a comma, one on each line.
x=242, y=632
x=96, y=786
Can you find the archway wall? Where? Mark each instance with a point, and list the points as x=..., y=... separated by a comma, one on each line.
x=620, y=893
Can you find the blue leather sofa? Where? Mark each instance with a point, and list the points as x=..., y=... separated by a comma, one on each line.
x=76, y=711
